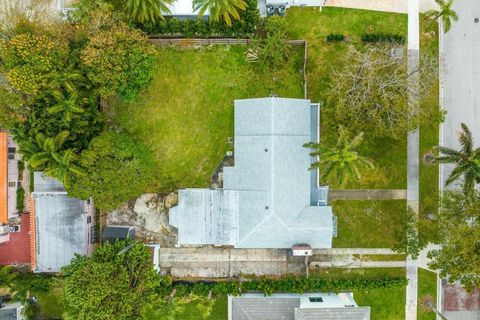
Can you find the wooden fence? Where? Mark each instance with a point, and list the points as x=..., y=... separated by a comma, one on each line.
x=186, y=42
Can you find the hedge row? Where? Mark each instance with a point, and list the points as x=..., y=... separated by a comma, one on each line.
x=335, y=37
x=381, y=37
x=202, y=28
x=291, y=284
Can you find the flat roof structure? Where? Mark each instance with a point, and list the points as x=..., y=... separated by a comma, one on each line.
x=314, y=306
x=183, y=8
x=269, y=198
x=3, y=177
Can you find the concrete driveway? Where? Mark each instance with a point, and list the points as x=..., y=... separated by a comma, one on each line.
x=461, y=86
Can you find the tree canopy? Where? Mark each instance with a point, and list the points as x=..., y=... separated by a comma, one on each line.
x=111, y=284
x=369, y=93
x=459, y=256
x=116, y=170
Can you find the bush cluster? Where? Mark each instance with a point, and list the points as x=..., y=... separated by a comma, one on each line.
x=382, y=37
x=332, y=37
x=293, y=284
x=201, y=28
x=20, y=199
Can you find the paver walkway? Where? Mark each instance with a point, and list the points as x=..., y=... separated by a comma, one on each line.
x=398, y=6
x=367, y=194
x=211, y=262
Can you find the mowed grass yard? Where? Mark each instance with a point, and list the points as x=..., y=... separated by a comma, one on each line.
x=186, y=115
x=388, y=155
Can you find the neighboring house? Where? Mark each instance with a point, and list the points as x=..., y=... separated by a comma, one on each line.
x=309, y=306
x=63, y=226
x=11, y=311
x=183, y=9
x=9, y=182
x=269, y=197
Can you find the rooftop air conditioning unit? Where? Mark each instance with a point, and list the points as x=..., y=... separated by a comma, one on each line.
x=4, y=229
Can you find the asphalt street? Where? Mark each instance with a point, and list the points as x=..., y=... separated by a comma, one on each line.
x=461, y=76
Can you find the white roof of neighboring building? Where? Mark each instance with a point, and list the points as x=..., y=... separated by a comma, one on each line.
x=183, y=8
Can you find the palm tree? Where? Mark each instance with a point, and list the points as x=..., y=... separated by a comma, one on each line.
x=342, y=160
x=70, y=104
x=146, y=10
x=47, y=154
x=65, y=168
x=467, y=161
x=445, y=12
x=226, y=10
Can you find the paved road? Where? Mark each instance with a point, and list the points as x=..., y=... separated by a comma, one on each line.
x=461, y=76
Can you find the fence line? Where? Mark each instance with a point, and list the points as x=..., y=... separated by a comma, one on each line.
x=186, y=42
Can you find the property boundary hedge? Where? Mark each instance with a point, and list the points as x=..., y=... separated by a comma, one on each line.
x=380, y=37
x=202, y=28
x=292, y=284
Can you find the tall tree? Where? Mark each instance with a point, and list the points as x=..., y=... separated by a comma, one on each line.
x=459, y=256
x=146, y=10
x=113, y=283
x=445, y=12
x=467, y=161
x=116, y=170
x=342, y=161
x=226, y=10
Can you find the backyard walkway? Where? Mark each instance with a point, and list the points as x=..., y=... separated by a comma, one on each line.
x=367, y=194
x=211, y=262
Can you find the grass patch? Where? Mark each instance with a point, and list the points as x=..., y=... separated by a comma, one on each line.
x=427, y=285
x=380, y=257
x=375, y=298
x=367, y=223
x=219, y=312
x=50, y=304
x=186, y=114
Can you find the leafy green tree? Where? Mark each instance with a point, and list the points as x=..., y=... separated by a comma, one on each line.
x=113, y=283
x=146, y=10
x=341, y=161
x=467, y=161
x=459, y=256
x=119, y=60
x=116, y=170
x=369, y=92
x=273, y=50
x=445, y=12
x=226, y=10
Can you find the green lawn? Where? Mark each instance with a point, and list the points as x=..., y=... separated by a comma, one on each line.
x=427, y=285
x=186, y=114
x=50, y=304
x=367, y=223
x=389, y=156
x=219, y=311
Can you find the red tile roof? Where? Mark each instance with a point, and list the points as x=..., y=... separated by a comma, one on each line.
x=17, y=249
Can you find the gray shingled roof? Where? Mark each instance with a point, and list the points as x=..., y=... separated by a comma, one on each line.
x=269, y=199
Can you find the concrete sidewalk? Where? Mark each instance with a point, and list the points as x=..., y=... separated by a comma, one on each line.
x=367, y=194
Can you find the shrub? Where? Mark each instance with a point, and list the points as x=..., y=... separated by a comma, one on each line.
x=380, y=37
x=288, y=283
x=332, y=37
x=20, y=199
x=273, y=51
